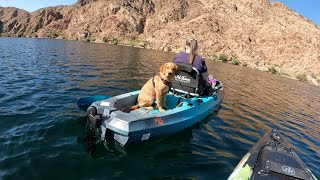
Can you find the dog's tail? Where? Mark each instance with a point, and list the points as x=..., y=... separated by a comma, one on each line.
x=130, y=108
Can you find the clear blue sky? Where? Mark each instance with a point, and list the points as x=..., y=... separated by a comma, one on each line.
x=32, y=5
x=307, y=8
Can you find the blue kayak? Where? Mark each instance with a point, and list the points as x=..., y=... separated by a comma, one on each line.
x=185, y=108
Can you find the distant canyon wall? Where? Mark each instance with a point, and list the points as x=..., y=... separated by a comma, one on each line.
x=255, y=33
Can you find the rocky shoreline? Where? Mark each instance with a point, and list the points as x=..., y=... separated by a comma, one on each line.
x=259, y=34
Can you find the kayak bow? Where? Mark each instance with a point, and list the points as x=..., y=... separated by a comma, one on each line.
x=271, y=158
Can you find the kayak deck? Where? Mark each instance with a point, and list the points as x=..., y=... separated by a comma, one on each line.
x=271, y=158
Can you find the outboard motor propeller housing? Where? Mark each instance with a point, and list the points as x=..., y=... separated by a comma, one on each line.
x=92, y=110
x=93, y=118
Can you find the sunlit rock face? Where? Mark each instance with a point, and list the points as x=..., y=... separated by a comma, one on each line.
x=259, y=34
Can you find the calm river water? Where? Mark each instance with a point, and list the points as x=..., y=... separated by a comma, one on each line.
x=42, y=130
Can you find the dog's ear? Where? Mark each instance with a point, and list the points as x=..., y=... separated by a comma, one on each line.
x=163, y=68
x=177, y=71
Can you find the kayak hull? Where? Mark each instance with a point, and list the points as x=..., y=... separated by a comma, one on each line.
x=142, y=125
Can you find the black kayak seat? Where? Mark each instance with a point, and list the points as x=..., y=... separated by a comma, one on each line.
x=187, y=82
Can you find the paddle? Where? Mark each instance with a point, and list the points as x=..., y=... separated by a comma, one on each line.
x=85, y=102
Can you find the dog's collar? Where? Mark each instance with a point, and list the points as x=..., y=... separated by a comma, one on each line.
x=165, y=82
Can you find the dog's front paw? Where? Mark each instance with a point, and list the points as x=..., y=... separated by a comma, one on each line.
x=162, y=110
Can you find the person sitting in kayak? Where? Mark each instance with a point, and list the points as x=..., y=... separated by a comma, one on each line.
x=190, y=56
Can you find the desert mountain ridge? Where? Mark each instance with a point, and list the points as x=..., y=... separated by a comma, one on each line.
x=260, y=34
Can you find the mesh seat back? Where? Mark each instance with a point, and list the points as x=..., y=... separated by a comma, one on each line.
x=187, y=80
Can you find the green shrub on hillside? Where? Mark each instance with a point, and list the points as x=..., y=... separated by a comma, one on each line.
x=134, y=41
x=105, y=39
x=58, y=33
x=110, y=40
x=52, y=34
x=33, y=35
x=235, y=61
x=302, y=77
x=223, y=57
x=272, y=69
x=90, y=38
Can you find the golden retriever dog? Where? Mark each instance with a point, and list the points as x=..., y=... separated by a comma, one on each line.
x=156, y=88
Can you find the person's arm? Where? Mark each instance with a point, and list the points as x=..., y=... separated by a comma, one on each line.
x=205, y=78
x=177, y=57
x=204, y=72
x=174, y=58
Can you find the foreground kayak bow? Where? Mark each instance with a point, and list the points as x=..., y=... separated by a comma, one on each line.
x=271, y=158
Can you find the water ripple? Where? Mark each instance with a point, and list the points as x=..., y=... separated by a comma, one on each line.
x=41, y=129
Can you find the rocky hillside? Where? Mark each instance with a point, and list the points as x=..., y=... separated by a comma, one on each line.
x=256, y=33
